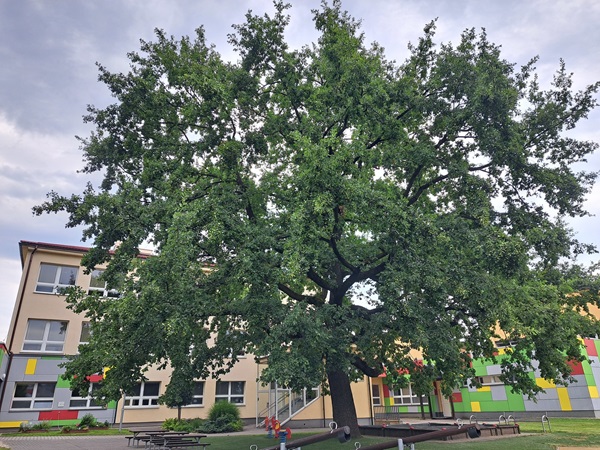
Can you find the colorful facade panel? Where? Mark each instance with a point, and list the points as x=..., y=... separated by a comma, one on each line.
x=580, y=397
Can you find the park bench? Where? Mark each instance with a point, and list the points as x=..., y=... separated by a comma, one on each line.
x=171, y=441
x=387, y=415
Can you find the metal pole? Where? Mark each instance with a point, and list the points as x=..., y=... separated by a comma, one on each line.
x=122, y=412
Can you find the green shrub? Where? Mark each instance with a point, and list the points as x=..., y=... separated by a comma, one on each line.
x=66, y=429
x=41, y=426
x=222, y=424
x=223, y=409
x=190, y=425
x=24, y=427
x=88, y=421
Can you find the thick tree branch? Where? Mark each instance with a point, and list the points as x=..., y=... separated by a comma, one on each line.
x=360, y=276
x=316, y=278
x=369, y=371
x=311, y=300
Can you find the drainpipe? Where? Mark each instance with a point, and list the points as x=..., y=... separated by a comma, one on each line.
x=12, y=335
x=323, y=404
x=370, y=397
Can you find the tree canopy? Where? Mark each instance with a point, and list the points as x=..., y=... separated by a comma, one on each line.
x=333, y=210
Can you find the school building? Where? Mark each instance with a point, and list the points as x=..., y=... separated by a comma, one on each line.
x=43, y=332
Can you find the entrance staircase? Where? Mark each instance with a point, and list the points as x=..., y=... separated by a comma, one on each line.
x=283, y=404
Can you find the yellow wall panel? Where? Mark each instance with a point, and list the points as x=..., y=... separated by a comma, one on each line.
x=484, y=389
x=593, y=391
x=475, y=407
x=544, y=384
x=11, y=424
x=563, y=398
x=30, y=368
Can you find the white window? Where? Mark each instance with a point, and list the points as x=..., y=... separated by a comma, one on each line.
x=97, y=284
x=405, y=396
x=86, y=332
x=230, y=391
x=33, y=396
x=84, y=401
x=145, y=394
x=198, y=394
x=376, y=395
x=489, y=380
x=45, y=336
x=54, y=279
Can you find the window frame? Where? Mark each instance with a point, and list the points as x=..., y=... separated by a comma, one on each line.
x=104, y=290
x=400, y=395
x=85, y=325
x=34, y=398
x=229, y=396
x=196, y=397
x=376, y=398
x=141, y=398
x=56, y=287
x=45, y=342
x=88, y=399
x=489, y=380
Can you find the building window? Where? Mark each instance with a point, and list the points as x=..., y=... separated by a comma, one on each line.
x=144, y=394
x=86, y=333
x=45, y=336
x=54, y=279
x=33, y=396
x=230, y=391
x=198, y=394
x=84, y=401
x=375, y=394
x=489, y=380
x=97, y=284
x=405, y=396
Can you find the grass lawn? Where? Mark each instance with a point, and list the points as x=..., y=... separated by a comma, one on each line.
x=565, y=433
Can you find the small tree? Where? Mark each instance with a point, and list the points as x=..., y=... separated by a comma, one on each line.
x=179, y=392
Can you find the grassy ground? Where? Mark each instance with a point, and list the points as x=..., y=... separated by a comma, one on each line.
x=565, y=433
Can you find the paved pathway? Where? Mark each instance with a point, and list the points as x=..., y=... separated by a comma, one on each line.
x=64, y=442
x=96, y=442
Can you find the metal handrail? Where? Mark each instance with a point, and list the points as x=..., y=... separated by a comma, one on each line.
x=546, y=419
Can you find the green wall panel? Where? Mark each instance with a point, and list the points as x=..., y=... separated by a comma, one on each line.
x=63, y=383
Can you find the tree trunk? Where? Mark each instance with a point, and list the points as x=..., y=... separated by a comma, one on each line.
x=344, y=411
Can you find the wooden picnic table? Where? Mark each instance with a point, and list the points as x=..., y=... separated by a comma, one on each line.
x=144, y=434
x=174, y=440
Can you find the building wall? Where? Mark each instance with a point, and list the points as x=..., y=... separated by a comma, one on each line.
x=31, y=368
x=25, y=367
x=580, y=398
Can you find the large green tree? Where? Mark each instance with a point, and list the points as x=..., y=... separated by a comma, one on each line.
x=332, y=209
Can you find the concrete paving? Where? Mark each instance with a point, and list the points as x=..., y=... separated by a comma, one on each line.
x=64, y=442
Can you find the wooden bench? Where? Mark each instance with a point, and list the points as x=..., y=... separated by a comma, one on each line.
x=387, y=415
x=136, y=439
x=166, y=441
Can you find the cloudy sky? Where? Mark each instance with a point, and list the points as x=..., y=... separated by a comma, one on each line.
x=49, y=48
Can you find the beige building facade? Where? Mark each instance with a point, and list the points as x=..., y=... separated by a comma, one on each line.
x=43, y=332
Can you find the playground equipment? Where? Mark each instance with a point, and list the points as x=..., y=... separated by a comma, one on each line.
x=546, y=420
x=342, y=434
x=472, y=431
